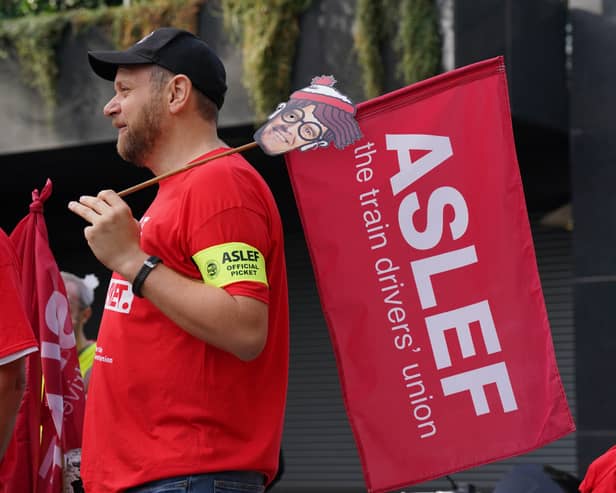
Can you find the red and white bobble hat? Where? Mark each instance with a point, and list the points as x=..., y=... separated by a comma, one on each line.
x=321, y=89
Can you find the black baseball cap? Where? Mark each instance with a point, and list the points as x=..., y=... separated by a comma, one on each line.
x=177, y=50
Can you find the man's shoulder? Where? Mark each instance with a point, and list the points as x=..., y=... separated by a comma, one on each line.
x=229, y=163
x=226, y=170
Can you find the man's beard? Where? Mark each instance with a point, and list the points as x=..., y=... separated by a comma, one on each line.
x=140, y=138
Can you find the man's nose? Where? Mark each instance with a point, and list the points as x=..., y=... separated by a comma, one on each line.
x=112, y=107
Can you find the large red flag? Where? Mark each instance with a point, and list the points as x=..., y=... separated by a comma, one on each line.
x=426, y=270
x=50, y=429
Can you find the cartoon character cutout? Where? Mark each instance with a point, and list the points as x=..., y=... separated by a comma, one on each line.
x=313, y=117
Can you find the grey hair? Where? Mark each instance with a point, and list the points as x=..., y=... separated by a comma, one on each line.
x=85, y=286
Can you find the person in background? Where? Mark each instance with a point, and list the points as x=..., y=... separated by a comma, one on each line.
x=16, y=341
x=80, y=294
x=600, y=476
x=189, y=383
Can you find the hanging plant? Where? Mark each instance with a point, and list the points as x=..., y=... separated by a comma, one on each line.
x=368, y=37
x=411, y=26
x=418, y=40
x=268, y=33
x=34, y=39
x=267, y=30
x=141, y=19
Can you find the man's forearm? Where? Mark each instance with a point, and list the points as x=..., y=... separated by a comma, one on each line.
x=237, y=324
x=12, y=383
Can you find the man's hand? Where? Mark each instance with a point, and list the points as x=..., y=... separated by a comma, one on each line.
x=113, y=234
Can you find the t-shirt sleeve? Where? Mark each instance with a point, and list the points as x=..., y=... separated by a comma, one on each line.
x=231, y=250
x=16, y=335
x=601, y=474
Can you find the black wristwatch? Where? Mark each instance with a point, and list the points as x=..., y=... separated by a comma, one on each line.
x=146, y=268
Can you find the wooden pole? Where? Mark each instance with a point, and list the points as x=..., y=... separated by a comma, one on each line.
x=156, y=179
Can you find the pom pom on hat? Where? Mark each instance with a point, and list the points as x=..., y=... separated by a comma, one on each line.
x=321, y=90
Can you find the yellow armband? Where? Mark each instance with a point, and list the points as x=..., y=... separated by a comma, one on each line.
x=227, y=263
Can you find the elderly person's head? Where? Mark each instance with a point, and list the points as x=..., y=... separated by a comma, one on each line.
x=80, y=294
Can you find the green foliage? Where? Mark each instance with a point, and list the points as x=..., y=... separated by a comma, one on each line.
x=131, y=24
x=412, y=28
x=418, y=40
x=268, y=31
x=368, y=38
x=19, y=8
x=34, y=39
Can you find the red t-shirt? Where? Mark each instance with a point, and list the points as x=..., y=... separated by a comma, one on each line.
x=16, y=336
x=601, y=474
x=162, y=403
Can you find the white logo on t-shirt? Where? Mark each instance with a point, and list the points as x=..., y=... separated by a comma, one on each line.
x=100, y=356
x=119, y=296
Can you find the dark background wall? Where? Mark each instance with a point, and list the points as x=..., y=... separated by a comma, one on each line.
x=530, y=35
x=561, y=80
x=593, y=155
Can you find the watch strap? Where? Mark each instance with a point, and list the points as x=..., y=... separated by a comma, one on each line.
x=148, y=265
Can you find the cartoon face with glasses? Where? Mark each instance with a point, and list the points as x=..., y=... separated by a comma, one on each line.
x=313, y=117
x=289, y=127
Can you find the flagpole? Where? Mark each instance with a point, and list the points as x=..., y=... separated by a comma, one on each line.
x=156, y=179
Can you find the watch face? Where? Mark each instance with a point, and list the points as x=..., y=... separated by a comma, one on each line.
x=152, y=261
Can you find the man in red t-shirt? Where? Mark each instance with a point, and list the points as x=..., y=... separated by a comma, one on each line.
x=16, y=341
x=190, y=374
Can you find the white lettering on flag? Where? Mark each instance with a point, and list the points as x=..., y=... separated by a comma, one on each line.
x=56, y=406
x=475, y=381
x=50, y=350
x=424, y=269
x=56, y=312
x=433, y=233
x=53, y=457
x=460, y=320
x=440, y=150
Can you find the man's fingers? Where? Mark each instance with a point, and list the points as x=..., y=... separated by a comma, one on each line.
x=81, y=210
x=110, y=197
x=87, y=233
x=97, y=204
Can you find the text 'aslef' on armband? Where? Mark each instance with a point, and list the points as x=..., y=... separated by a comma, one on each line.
x=224, y=264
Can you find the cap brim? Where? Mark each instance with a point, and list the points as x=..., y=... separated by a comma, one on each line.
x=105, y=63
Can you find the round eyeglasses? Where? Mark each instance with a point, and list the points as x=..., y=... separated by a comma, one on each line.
x=308, y=131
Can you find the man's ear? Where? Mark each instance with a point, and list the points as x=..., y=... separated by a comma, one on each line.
x=179, y=90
